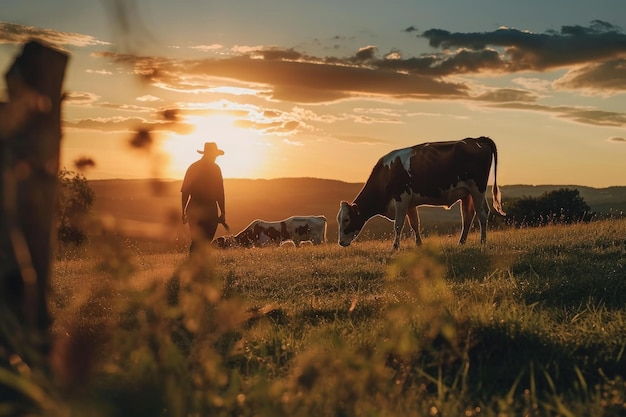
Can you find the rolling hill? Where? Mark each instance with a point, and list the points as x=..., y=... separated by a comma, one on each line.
x=152, y=208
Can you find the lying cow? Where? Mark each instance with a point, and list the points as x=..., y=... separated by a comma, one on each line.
x=296, y=229
x=434, y=174
x=224, y=242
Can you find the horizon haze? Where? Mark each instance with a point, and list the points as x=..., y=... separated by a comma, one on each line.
x=141, y=207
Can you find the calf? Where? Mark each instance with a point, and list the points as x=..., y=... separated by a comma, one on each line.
x=296, y=229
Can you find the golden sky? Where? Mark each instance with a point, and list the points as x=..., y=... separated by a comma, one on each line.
x=323, y=89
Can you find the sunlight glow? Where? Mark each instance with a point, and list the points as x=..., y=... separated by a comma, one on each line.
x=244, y=149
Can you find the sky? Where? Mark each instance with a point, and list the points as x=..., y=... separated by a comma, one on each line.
x=297, y=88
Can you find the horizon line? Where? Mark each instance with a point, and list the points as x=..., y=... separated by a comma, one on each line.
x=346, y=182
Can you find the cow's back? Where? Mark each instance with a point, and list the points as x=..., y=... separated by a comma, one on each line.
x=307, y=228
x=441, y=166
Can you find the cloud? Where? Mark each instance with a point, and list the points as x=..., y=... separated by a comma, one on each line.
x=617, y=139
x=110, y=124
x=523, y=50
x=534, y=84
x=83, y=98
x=18, y=34
x=292, y=143
x=270, y=128
x=128, y=125
x=365, y=140
x=99, y=72
x=607, y=77
x=125, y=107
x=461, y=62
x=574, y=114
x=80, y=98
x=208, y=48
x=375, y=118
x=148, y=98
x=504, y=95
x=311, y=116
x=275, y=122
x=366, y=53
x=292, y=76
x=597, y=117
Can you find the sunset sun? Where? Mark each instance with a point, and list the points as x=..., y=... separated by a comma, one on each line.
x=244, y=150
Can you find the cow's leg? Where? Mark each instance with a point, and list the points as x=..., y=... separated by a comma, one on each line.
x=414, y=221
x=483, y=216
x=401, y=212
x=467, y=216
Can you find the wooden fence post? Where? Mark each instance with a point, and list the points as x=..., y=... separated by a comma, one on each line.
x=30, y=137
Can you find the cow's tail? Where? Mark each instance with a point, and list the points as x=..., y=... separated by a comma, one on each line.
x=497, y=196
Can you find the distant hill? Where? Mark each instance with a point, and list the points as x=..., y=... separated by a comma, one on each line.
x=146, y=206
x=152, y=207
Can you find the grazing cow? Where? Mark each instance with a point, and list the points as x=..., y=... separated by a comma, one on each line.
x=434, y=174
x=295, y=228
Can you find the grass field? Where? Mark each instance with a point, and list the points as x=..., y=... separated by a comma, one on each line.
x=533, y=323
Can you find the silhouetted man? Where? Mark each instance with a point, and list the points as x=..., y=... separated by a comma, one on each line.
x=202, y=193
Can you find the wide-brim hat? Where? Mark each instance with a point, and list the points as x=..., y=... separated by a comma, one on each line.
x=210, y=148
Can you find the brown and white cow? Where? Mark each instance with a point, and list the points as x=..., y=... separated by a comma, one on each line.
x=225, y=242
x=434, y=174
x=297, y=229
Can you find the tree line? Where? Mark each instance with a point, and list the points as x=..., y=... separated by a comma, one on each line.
x=561, y=206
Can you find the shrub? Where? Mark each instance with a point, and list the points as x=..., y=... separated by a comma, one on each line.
x=562, y=206
x=75, y=200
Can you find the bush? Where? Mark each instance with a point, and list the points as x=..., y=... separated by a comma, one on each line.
x=75, y=200
x=562, y=206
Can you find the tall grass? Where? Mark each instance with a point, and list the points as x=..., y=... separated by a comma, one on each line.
x=532, y=323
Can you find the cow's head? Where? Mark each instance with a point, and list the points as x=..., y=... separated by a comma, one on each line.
x=223, y=242
x=350, y=223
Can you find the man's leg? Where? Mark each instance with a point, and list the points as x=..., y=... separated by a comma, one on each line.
x=209, y=227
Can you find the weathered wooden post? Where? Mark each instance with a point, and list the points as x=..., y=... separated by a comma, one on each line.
x=30, y=138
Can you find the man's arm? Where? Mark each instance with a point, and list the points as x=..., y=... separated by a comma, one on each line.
x=221, y=203
x=184, y=201
x=184, y=190
x=221, y=199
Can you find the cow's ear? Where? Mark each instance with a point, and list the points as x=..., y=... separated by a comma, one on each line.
x=355, y=208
